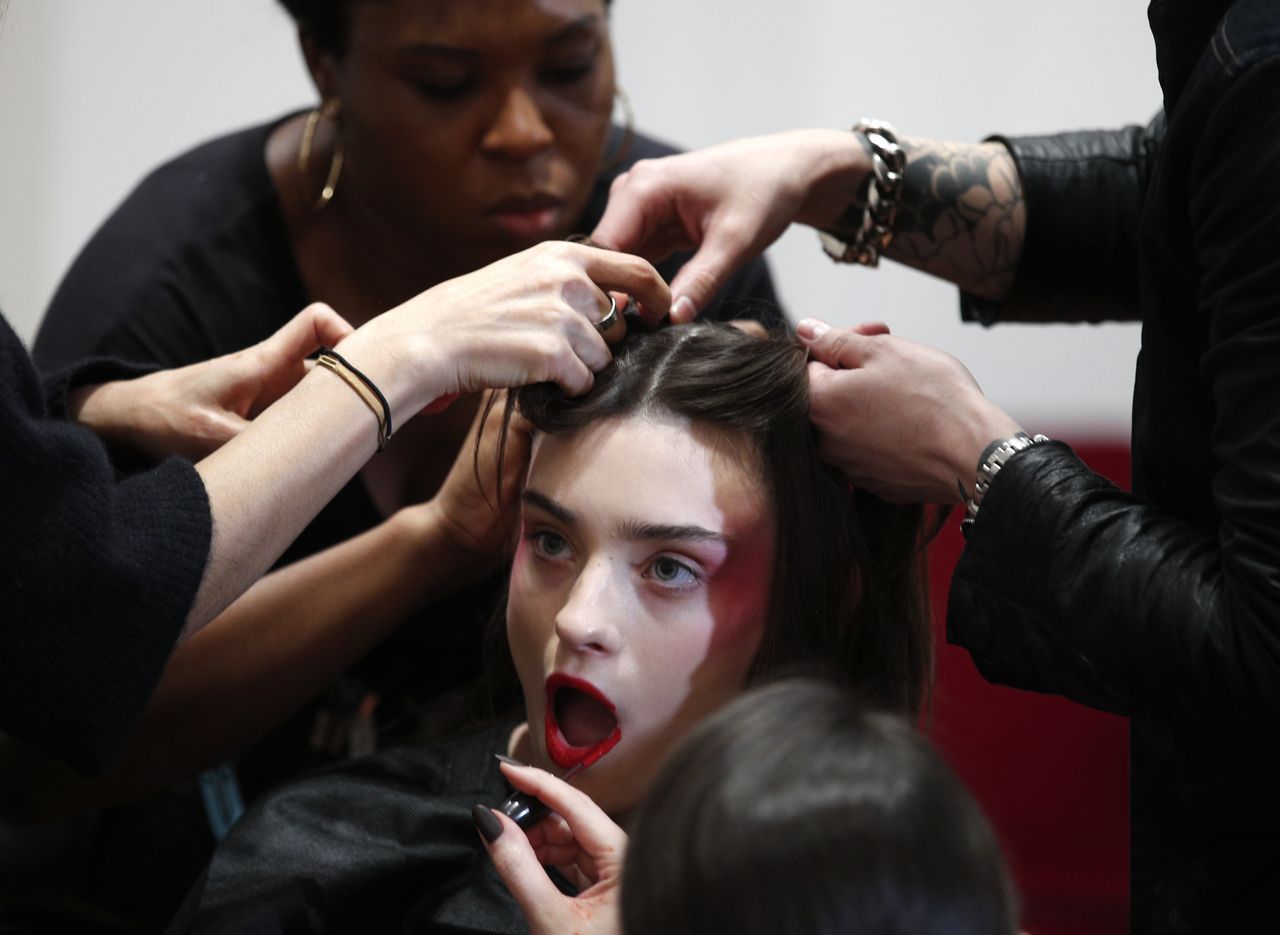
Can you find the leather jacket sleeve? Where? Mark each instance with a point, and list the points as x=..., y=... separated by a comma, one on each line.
x=1084, y=194
x=1069, y=585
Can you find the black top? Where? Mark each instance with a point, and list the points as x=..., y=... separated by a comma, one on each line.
x=384, y=844
x=96, y=577
x=1165, y=605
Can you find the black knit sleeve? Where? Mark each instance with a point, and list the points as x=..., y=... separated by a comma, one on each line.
x=96, y=576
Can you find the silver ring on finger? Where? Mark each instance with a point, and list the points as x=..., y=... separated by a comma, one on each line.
x=610, y=319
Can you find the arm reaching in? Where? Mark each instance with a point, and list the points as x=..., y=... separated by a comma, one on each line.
x=215, y=698
x=900, y=419
x=525, y=319
x=105, y=574
x=962, y=215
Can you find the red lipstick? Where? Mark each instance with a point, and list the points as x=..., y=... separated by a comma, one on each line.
x=580, y=702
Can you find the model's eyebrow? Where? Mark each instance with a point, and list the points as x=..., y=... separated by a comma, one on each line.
x=549, y=506
x=644, y=532
x=583, y=24
x=632, y=529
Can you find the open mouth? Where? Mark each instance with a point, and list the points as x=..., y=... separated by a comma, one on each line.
x=581, y=725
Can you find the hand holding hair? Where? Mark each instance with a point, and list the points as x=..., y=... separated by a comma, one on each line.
x=903, y=420
x=579, y=839
x=527, y=318
x=729, y=202
x=192, y=411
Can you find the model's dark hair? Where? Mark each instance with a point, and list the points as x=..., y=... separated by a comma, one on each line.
x=849, y=592
x=793, y=810
x=327, y=23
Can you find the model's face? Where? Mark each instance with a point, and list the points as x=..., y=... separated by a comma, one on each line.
x=476, y=126
x=638, y=595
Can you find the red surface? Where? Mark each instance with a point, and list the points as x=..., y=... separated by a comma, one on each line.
x=1053, y=776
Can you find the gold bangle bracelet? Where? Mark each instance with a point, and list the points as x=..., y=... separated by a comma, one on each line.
x=365, y=389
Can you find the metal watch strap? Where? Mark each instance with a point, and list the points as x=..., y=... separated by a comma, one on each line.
x=873, y=213
x=995, y=458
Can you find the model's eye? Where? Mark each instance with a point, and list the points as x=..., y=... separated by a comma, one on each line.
x=549, y=544
x=672, y=573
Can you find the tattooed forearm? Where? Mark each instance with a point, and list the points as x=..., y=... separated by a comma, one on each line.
x=962, y=215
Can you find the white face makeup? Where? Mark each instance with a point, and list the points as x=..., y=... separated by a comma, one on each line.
x=640, y=584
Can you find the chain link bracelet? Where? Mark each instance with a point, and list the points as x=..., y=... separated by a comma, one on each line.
x=878, y=199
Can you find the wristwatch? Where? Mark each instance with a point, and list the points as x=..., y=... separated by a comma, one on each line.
x=993, y=460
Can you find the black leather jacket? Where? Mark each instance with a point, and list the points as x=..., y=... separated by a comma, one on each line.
x=1163, y=605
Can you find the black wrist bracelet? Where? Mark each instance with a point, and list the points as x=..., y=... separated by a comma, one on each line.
x=365, y=388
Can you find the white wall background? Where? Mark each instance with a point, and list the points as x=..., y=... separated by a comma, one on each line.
x=93, y=93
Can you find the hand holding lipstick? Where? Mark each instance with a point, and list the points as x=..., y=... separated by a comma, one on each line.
x=579, y=840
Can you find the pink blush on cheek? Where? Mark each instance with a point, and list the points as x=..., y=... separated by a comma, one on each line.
x=738, y=604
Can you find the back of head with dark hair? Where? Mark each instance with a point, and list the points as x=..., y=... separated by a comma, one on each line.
x=792, y=810
x=848, y=595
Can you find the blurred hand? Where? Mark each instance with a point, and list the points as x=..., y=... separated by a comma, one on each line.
x=579, y=840
x=528, y=318
x=728, y=203
x=191, y=411
x=902, y=420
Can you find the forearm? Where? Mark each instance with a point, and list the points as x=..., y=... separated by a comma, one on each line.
x=1147, y=615
x=962, y=216
x=287, y=464
x=306, y=623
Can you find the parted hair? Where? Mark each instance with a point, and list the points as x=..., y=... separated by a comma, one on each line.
x=849, y=593
x=795, y=810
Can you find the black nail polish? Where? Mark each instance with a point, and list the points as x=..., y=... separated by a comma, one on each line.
x=486, y=822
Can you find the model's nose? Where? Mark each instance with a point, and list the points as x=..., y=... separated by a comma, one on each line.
x=584, y=623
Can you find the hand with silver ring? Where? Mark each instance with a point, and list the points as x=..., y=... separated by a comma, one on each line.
x=612, y=327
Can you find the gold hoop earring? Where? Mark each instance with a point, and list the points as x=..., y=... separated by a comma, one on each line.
x=628, y=133
x=330, y=109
